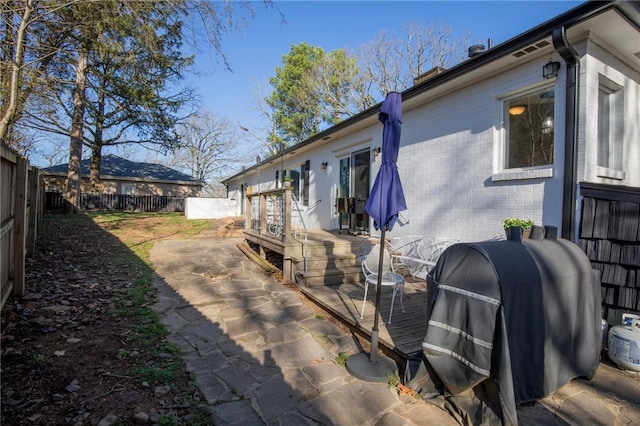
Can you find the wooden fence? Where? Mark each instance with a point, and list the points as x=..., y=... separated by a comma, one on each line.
x=120, y=202
x=20, y=213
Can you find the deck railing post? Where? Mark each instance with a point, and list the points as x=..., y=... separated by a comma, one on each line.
x=286, y=225
x=263, y=213
x=287, y=266
x=247, y=212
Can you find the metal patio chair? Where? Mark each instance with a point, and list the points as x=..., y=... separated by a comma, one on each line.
x=406, y=257
x=430, y=253
x=390, y=278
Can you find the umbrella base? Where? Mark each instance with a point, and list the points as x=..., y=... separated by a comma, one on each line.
x=361, y=366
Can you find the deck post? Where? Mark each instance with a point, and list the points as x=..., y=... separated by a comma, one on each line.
x=263, y=213
x=286, y=225
x=263, y=220
x=247, y=212
x=286, y=237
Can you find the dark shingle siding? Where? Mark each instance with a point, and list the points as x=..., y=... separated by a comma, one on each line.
x=610, y=236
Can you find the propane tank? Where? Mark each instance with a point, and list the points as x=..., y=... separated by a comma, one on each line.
x=624, y=343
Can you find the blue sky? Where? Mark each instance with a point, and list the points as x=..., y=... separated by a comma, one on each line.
x=254, y=53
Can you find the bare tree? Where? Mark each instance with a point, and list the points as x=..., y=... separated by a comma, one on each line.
x=393, y=63
x=56, y=152
x=431, y=46
x=382, y=64
x=209, y=148
x=23, y=141
x=264, y=140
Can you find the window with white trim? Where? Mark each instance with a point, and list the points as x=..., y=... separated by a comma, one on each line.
x=610, y=124
x=127, y=188
x=528, y=129
x=306, y=180
x=295, y=183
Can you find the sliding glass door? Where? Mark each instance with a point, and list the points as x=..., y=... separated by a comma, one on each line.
x=360, y=170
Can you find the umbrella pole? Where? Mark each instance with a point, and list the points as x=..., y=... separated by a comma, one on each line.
x=374, y=330
x=371, y=367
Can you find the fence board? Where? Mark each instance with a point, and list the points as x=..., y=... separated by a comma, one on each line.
x=20, y=235
x=7, y=221
x=33, y=201
x=119, y=202
x=20, y=212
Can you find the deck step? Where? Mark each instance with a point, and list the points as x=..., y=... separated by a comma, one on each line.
x=327, y=248
x=329, y=276
x=328, y=262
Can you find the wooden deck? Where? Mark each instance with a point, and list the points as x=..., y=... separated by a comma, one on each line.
x=344, y=300
x=399, y=339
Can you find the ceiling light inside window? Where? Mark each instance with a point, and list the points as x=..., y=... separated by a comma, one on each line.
x=516, y=109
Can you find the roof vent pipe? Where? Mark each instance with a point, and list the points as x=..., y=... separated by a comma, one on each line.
x=475, y=50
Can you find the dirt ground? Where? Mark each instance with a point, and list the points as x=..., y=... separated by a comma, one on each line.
x=82, y=347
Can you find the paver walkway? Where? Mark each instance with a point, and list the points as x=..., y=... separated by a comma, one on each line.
x=261, y=356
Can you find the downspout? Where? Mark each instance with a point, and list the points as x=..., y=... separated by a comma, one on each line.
x=569, y=188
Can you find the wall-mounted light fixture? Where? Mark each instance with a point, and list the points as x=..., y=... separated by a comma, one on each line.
x=516, y=109
x=550, y=69
x=376, y=152
x=324, y=165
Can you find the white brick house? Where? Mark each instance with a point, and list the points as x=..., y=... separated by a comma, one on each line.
x=461, y=159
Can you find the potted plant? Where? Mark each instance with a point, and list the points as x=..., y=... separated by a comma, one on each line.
x=513, y=222
x=287, y=181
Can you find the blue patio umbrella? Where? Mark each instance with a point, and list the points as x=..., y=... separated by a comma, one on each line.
x=385, y=201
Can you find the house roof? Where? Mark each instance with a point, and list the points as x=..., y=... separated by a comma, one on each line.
x=630, y=10
x=115, y=167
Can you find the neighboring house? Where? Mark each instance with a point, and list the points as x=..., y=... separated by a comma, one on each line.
x=121, y=176
x=513, y=131
x=544, y=126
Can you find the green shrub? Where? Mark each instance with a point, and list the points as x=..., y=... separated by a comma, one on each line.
x=514, y=221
